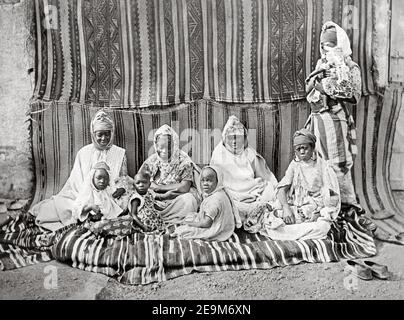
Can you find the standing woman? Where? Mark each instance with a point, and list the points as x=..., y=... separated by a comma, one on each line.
x=336, y=81
x=56, y=212
x=172, y=177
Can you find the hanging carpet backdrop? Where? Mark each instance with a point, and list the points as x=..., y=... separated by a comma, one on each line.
x=191, y=64
x=124, y=53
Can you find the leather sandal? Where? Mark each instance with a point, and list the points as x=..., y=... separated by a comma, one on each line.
x=390, y=238
x=378, y=270
x=360, y=270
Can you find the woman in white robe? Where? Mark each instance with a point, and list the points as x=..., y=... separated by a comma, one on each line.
x=56, y=212
x=246, y=175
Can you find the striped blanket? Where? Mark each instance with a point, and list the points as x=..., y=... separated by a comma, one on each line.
x=143, y=259
x=131, y=53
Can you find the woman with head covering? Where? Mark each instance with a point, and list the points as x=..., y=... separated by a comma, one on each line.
x=217, y=216
x=246, y=175
x=56, y=212
x=172, y=177
x=308, y=196
x=336, y=81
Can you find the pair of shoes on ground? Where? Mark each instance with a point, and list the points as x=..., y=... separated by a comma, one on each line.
x=388, y=237
x=367, y=270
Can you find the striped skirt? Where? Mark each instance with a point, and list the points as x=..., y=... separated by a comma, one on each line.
x=336, y=142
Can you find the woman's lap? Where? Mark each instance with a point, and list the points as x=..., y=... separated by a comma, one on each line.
x=179, y=208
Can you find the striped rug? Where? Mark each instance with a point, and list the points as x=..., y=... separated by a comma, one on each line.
x=143, y=259
x=131, y=53
x=22, y=243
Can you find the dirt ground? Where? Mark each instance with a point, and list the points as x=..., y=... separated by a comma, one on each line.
x=303, y=281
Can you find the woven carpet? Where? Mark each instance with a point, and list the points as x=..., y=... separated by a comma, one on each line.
x=125, y=53
x=143, y=259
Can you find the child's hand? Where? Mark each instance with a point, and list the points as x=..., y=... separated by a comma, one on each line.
x=95, y=217
x=118, y=193
x=314, y=217
x=288, y=216
x=96, y=209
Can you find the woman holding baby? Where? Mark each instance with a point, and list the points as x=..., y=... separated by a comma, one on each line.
x=335, y=82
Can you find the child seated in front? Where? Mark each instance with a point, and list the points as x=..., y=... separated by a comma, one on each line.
x=95, y=201
x=217, y=216
x=309, y=190
x=308, y=197
x=142, y=206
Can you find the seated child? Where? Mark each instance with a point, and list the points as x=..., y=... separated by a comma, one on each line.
x=142, y=205
x=217, y=216
x=95, y=201
x=309, y=190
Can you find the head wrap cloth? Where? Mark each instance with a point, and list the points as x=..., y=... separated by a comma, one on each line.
x=102, y=122
x=304, y=136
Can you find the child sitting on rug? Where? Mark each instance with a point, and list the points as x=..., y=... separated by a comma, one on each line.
x=142, y=205
x=217, y=216
x=95, y=201
x=309, y=190
x=308, y=197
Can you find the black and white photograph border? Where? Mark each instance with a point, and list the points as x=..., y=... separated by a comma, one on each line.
x=152, y=97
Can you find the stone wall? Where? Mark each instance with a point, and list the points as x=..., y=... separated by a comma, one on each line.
x=16, y=86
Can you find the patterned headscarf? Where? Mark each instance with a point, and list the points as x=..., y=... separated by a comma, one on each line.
x=304, y=136
x=342, y=38
x=234, y=127
x=102, y=122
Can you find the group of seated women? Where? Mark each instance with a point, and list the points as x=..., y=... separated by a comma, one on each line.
x=171, y=194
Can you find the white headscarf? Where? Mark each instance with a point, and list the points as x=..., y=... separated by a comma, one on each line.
x=234, y=126
x=219, y=187
x=342, y=39
x=167, y=130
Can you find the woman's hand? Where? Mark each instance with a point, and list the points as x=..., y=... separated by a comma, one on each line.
x=189, y=219
x=155, y=187
x=288, y=216
x=118, y=193
x=146, y=228
x=96, y=214
x=319, y=87
x=314, y=217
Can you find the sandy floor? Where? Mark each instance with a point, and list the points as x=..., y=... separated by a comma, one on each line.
x=304, y=281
